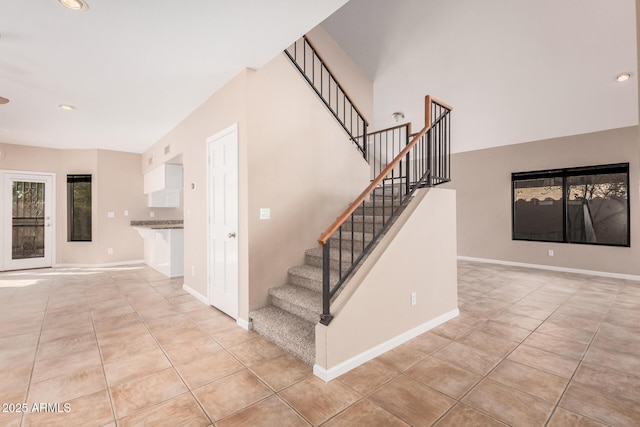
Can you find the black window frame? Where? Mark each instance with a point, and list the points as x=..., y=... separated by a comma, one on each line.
x=565, y=173
x=72, y=179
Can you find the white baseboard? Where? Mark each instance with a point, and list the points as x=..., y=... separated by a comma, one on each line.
x=240, y=322
x=552, y=268
x=344, y=367
x=244, y=324
x=103, y=265
x=196, y=294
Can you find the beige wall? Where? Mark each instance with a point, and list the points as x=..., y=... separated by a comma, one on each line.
x=354, y=81
x=188, y=139
x=637, y=71
x=482, y=180
x=300, y=165
x=117, y=186
x=293, y=158
x=418, y=254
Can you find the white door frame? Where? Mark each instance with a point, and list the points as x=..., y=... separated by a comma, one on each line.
x=5, y=216
x=234, y=310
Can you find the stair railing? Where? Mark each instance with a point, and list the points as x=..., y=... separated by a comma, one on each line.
x=384, y=145
x=306, y=59
x=423, y=162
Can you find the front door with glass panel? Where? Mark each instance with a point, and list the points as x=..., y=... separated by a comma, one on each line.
x=27, y=220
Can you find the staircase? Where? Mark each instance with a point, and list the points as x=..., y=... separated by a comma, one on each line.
x=290, y=319
x=418, y=160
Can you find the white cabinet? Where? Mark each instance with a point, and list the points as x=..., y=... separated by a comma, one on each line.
x=163, y=186
x=164, y=250
x=164, y=199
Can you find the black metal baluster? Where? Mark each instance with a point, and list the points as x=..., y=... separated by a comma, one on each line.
x=363, y=229
x=326, y=298
x=340, y=252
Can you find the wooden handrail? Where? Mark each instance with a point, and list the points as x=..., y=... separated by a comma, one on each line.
x=324, y=237
x=353, y=206
x=408, y=125
x=335, y=79
x=442, y=104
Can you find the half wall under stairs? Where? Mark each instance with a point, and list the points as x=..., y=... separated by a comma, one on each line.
x=373, y=312
x=295, y=309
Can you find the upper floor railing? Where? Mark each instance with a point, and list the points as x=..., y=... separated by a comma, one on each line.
x=423, y=162
x=312, y=67
x=384, y=145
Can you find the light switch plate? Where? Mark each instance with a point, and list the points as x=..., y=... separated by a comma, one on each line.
x=265, y=213
x=111, y=214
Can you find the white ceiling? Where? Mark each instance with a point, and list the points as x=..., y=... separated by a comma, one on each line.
x=134, y=69
x=514, y=70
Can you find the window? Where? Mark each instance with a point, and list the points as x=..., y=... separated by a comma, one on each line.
x=578, y=205
x=79, y=208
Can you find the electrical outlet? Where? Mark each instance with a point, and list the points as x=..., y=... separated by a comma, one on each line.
x=550, y=252
x=193, y=270
x=152, y=214
x=110, y=251
x=126, y=213
x=413, y=298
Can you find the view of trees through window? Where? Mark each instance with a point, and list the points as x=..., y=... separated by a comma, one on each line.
x=27, y=220
x=79, y=208
x=578, y=205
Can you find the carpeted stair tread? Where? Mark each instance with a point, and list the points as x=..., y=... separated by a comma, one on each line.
x=287, y=330
x=310, y=277
x=334, y=254
x=300, y=301
x=366, y=218
x=356, y=235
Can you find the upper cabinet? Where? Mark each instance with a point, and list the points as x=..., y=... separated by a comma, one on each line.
x=163, y=185
x=164, y=178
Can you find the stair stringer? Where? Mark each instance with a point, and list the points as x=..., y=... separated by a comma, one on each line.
x=373, y=314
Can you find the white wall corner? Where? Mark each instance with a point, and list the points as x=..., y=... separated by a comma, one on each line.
x=244, y=324
x=357, y=360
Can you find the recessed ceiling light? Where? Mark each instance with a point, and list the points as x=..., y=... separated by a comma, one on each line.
x=67, y=107
x=3, y=100
x=623, y=77
x=74, y=4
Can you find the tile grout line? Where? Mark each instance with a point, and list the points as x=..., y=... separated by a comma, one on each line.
x=35, y=356
x=578, y=367
x=104, y=373
x=483, y=377
x=507, y=355
x=165, y=355
x=2, y=311
x=277, y=393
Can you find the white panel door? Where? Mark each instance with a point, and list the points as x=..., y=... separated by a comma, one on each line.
x=222, y=206
x=27, y=220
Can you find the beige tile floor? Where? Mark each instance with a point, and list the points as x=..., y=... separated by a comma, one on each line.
x=124, y=346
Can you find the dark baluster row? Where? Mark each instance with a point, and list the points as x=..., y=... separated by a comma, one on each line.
x=305, y=57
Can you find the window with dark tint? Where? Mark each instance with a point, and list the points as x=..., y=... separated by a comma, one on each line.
x=79, y=208
x=578, y=205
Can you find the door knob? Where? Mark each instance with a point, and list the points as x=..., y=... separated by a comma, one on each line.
x=232, y=235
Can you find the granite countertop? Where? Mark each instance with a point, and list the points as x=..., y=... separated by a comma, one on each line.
x=159, y=224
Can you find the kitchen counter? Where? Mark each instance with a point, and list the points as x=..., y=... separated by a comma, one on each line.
x=163, y=245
